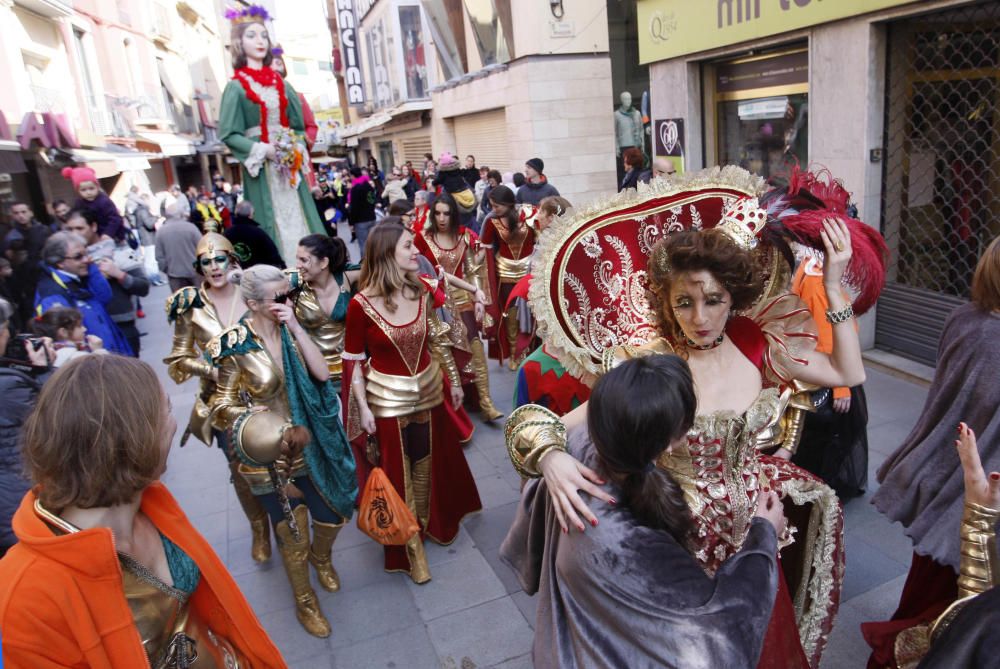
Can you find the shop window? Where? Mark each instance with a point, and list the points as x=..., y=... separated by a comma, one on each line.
x=488, y=32
x=762, y=111
x=300, y=66
x=413, y=52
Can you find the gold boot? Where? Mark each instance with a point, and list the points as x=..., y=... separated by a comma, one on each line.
x=482, y=380
x=295, y=555
x=420, y=573
x=324, y=534
x=260, y=526
x=511, y=329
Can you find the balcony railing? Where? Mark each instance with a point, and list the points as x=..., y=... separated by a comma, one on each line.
x=106, y=120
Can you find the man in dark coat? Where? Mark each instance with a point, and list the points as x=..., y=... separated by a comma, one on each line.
x=251, y=244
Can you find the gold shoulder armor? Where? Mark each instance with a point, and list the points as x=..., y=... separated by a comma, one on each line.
x=184, y=299
x=233, y=340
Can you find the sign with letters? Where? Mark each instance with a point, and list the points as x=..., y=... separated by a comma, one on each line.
x=347, y=28
x=671, y=28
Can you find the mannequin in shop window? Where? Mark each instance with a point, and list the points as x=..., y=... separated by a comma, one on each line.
x=628, y=125
x=262, y=124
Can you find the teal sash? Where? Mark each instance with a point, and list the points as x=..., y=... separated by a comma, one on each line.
x=328, y=454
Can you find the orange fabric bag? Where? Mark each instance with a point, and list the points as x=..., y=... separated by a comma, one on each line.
x=382, y=514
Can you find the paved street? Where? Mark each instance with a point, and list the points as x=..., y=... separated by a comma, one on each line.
x=473, y=613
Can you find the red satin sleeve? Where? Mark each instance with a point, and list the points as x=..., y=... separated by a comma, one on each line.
x=489, y=232
x=354, y=337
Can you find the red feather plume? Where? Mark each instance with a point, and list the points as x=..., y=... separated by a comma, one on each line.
x=800, y=210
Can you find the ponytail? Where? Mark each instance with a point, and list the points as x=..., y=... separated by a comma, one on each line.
x=635, y=412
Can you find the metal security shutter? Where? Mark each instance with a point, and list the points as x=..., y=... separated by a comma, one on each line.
x=414, y=148
x=941, y=173
x=483, y=135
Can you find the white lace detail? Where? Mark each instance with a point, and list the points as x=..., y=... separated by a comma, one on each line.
x=258, y=154
x=357, y=357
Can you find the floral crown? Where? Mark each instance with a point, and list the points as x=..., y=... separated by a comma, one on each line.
x=248, y=14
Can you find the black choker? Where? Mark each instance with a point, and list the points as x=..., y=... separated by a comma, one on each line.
x=706, y=347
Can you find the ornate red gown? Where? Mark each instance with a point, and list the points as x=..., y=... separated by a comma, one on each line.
x=406, y=386
x=509, y=262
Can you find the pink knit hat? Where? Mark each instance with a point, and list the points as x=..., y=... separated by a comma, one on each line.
x=447, y=162
x=80, y=175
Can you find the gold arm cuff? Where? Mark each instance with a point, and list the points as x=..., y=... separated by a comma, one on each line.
x=260, y=480
x=512, y=271
x=977, y=571
x=390, y=396
x=530, y=433
x=793, y=423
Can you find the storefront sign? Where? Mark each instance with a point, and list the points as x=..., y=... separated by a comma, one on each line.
x=766, y=108
x=743, y=75
x=668, y=141
x=668, y=137
x=49, y=130
x=347, y=27
x=671, y=28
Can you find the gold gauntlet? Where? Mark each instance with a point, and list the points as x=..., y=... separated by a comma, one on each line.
x=441, y=347
x=977, y=569
x=530, y=433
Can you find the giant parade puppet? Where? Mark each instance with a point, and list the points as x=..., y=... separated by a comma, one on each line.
x=262, y=124
x=698, y=263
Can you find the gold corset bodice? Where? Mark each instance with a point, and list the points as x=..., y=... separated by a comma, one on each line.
x=720, y=471
x=326, y=332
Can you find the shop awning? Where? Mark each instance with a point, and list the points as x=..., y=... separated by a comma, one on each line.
x=169, y=143
x=11, y=161
x=364, y=125
x=109, y=163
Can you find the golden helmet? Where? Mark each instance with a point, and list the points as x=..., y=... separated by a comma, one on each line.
x=212, y=243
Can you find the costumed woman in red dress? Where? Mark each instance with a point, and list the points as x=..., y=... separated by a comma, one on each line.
x=510, y=236
x=717, y=282
x=396, y=391
x=455, y=248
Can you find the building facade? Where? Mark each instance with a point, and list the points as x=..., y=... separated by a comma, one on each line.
x=130, y=88
x=502, y=80
x=898, y=98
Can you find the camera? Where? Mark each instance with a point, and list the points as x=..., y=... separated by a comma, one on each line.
x=21, y=345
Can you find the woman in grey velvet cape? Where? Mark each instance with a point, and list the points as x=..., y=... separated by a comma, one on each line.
x=628, y=593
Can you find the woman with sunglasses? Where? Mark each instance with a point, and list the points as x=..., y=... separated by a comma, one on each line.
x=274, y=396
x=324, y=283
x=405, y=392
x=198, y=314
x=454, y=247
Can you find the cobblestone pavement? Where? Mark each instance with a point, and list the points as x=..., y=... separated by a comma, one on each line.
x=473, y=613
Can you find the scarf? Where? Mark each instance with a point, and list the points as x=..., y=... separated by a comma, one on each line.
x=268, y=78
x=328, y=455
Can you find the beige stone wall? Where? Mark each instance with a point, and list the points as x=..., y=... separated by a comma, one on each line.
x=558, y=109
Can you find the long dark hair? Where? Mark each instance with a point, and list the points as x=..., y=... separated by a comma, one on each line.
x=454, y=222
x=323, y=246
x=635, y=412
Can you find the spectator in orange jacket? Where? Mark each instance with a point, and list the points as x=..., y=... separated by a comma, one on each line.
x=108, y=571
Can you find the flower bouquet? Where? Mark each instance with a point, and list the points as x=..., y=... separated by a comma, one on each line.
x=289, y=155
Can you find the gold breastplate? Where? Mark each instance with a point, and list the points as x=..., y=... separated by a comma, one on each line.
x=327, y=333
x=172, y=636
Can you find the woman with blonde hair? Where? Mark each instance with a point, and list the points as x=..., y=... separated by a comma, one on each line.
x=404, y=392
x=108, y=571
x=921, y=482
x=269, y=361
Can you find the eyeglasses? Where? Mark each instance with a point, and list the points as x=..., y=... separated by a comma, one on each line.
x=77, y=256
x=221, y=261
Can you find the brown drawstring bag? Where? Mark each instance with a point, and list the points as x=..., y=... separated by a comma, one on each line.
x=382, y=514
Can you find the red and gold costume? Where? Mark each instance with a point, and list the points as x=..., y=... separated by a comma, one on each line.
x=470, y=355
x=419, y=435
x=509, y=254
x=590, y=298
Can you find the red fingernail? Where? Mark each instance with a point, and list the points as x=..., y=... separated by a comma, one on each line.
x=565, y=531
x=995, y=476
x=613, y=500
x=594, y=522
